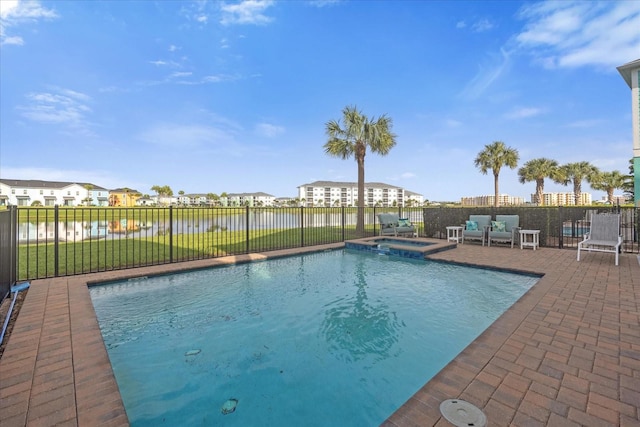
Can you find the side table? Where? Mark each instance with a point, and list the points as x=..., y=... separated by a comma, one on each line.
x=530, y=239
x=454, y=233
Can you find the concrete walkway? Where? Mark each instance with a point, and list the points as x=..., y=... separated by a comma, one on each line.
x=566, y=354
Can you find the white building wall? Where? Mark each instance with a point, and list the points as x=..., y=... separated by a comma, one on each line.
x=326, y=193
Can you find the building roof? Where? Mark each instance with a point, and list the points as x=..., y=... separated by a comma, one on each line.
x=34, y=183
x=626, y=69
x=258, y=194
x=348, y=184
x=124, y=190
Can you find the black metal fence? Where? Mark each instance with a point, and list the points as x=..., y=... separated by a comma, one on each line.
x=8, y=245
x=50, y=242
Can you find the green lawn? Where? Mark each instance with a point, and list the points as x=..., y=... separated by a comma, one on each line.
x=39, y=261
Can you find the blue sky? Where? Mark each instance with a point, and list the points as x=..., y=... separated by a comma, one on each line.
x=233, y=97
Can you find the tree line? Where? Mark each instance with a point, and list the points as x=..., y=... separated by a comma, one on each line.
x=497, y=154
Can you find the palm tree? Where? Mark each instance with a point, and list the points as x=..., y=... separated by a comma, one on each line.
x=576, y=173
x=494, y=156
x=537, y=170
x=359, y=132
x=608, y=181
x=162, y=192
x=88, y=199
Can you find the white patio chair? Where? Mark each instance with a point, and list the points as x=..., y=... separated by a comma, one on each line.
x=603, y=236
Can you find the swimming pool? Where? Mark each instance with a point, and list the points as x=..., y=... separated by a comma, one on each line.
x=331, y=338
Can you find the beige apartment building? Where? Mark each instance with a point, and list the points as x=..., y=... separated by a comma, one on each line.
x=563, y=199
x=504, y=200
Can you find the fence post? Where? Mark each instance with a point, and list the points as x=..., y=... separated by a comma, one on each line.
x=342, y=219
x=170, y=233
x=246, y=233
x=301, y=226
x=56, y=238
x=561, y=227
x=13, y=271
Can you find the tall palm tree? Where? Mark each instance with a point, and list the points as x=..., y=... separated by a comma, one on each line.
x=358, y=133
x=537, y=170
x=494, y=156
x=608, y=181
x=576, y=173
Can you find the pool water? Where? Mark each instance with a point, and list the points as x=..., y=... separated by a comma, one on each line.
x=322, y=339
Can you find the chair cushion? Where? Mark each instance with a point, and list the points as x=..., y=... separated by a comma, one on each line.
x=498, y=226
x=404, y=222
x=471, y=226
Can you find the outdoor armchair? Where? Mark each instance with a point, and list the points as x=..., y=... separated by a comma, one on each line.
x=504, y=229
x=476, y=228
x=393, y=225
x=603, y=236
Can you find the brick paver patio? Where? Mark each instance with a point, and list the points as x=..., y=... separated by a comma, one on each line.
x=566, y=354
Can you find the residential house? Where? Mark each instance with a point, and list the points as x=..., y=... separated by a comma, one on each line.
x=123, y=197
x=50, y=193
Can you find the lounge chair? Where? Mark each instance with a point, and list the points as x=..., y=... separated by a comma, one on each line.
x=476, y=228
x=603, y=236
x=393, y=225
x=504, y=229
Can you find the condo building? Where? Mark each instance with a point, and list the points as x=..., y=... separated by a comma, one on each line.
x=331, y=193
x=562, y=199
x=503, y=199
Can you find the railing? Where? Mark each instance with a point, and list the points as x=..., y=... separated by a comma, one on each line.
x=8, y=245
x=60, y=241
x=53, y=242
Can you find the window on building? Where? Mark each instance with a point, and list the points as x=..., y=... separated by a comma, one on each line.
x=68, y=193
x=24, y=191
x=13, y=191
x=41, y=191
x=77, y=193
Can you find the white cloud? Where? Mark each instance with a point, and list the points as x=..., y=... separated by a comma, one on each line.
x=523, y=113
x=451, y=123
x=161, y=63
x=269, y=130
x=578, y=33
x=482, y=26
x=14, y=13
x=61, y=106
x=323, y=3
x=185, y=136
x=246, y=12
x=489, y=73
x=461, y=24
x=178, y=74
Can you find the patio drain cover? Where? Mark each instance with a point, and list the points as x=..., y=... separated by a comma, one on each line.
x=462, y=414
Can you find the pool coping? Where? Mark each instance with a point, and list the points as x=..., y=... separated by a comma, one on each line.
x=566, y=353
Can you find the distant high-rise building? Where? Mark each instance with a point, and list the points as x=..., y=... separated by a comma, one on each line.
x=503, y=199
x=562, y=199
